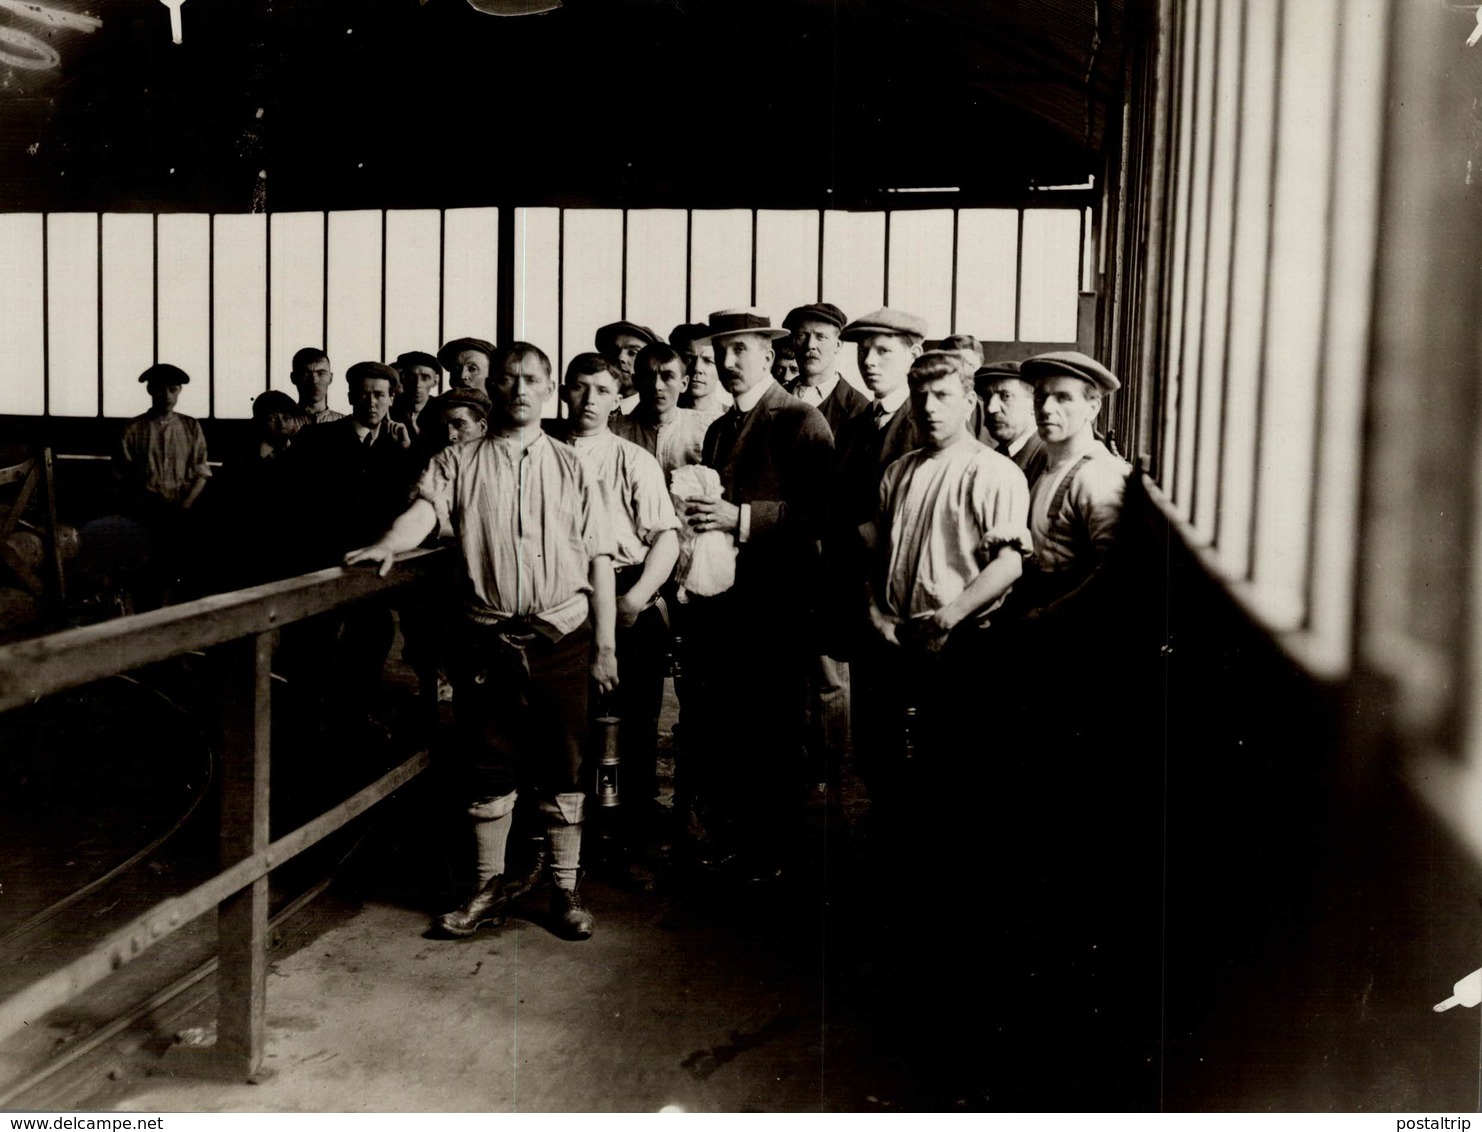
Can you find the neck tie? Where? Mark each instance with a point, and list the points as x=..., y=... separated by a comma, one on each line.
x=1003, y=450
x=370, y=438
x=881, y=416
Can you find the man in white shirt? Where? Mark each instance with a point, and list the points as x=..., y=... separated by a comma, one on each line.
x=644, y=527
x=671, y=435
x=312, y=377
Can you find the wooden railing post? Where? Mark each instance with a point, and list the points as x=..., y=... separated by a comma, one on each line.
x=242, y=919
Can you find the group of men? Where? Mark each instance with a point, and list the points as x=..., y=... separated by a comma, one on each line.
x=913, y=544
x=900, y=554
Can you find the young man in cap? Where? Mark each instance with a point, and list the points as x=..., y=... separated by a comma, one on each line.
x=312, y=377
x=421, y=374
x=1077, y=500
x=1008, y=416
x=673, y=436
x=469, y=362
x=641, y=516
x=161, y=467
x=538, y=627
x=704, y=394
x=785, y=364
x=815, y=341
x=620, y=342
x=749, y=662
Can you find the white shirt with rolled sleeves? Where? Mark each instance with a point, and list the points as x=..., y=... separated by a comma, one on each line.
x=631, y=484
x=944, y=515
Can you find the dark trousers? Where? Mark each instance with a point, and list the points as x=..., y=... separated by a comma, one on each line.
x=748, y=684
x=519, y=709
x=642, y=655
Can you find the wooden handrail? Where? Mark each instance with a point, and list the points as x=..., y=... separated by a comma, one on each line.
x=35, y=668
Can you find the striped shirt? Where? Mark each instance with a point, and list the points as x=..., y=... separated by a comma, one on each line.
x=674, y=445
x=528, y=520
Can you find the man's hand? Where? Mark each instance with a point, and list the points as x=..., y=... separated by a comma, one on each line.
x=378, y=553
x=713, y=515
x=628, y=611
x=930, y=631
x=604, y=669
x=398, y=432
x=885, y=625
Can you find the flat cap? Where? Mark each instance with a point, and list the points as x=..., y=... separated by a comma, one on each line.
x=370, y=371
x=1070, y=363
x=606, y=337
x=165, y=374
x=991, y=371
x=474, y=400
x=688, y=333
x=418, y=358
x=818, y=312
x=741, y=321
x=448, y=355
x=885, y=321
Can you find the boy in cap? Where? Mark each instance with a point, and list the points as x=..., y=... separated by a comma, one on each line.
x=162, y=468
x=749, y=665
x=620, y=342
x=312, y=376
x=704, y=394
x=535, y=575
x=671, y=435
x=641, y=517
x=469, y=362
x=1008, y=416
x=815, y=341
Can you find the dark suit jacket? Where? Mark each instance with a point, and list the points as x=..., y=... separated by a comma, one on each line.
x=1032, y=458
x=843, y=402
x=350, y=492
x=776, y=458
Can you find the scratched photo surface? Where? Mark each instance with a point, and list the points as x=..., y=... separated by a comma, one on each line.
x=1219, y=852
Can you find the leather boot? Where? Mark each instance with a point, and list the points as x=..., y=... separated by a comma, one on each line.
x=522, y=883
x=487, y=906
x=570, y=915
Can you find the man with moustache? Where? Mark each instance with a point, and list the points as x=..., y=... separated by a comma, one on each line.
x=1008, y=416
x=748, y=672
x=538, y=628
x=815, y=340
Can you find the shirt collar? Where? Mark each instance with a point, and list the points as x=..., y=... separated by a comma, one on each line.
x=360, y=430
x=747, y=401
x=826, y=386
x=893, y=401
x=1018, y=445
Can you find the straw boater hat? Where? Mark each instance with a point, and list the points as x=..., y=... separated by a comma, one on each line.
x=741, y=321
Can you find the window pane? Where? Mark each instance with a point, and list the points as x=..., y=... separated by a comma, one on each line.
x=854, y=271
x=786, y=260
x=720, y=261
x=537, y=301
x=657, y=283
x=470, y=274
x=591, y=280
x=411, y=281
x=1048, y=288
x=183, y=313
x=22, y=321
x=240, y=346
x=128, y=310
x=987, y=264
x=354, y=299
x=921, y=266
x=72, y=309
x=296, y=295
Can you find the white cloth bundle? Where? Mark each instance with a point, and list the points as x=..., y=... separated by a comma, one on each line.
x=707, y=561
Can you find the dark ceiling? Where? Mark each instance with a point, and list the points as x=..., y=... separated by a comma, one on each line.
x=294, y=104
